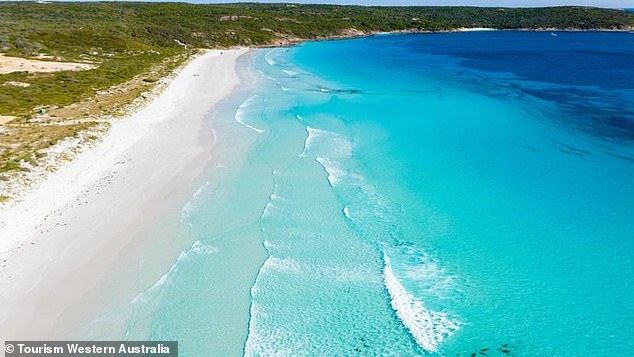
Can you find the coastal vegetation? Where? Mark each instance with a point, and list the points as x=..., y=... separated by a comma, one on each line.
x=130, y=46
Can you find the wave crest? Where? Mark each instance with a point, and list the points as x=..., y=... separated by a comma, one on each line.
x=241, y=113
x=428, y=328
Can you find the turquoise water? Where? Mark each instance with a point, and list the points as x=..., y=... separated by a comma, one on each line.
x=444, y=194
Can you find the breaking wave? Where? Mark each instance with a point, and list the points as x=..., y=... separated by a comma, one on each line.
x=429, y=328
x=241, y=114
x=197, y=248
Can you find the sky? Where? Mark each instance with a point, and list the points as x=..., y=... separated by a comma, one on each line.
x=619, y=4
x=510, y=3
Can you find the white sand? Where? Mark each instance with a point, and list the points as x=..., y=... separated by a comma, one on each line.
x=471, y=29
x=69, y=233
x=17, y=64
x=6, y=118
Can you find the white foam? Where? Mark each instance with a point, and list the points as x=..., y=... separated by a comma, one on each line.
x=312, y=132
x=189, y=206
x=248, y=102
x=252, y=337
x=264, y=338
x=348, y=274
x=335, y=145
x=333, y=151
x=335, y=173
x=268, y=245
x=299, y=117
x=265, y=341
x=268, y=58
x=340, y=146
x=433, y=279
x=202, y=249
x=268, y=209
x=270, y=204
x=147, y=295
x=286, y=265
x=346, y=212
x=429, y=328
x=241, y=114
x=264, y=75
x=198, y=248
x=290, y=73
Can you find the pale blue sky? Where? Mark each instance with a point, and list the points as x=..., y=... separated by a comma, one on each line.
x=507, y=3
x=513, y=3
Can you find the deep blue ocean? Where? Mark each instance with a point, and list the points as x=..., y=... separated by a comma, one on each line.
x=453, y=194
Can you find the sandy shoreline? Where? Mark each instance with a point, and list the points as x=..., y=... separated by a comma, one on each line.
x=93, y=212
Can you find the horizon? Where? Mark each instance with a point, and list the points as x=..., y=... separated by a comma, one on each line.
x=611, y=4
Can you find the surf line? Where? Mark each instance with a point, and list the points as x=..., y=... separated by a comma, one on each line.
x=428, y=328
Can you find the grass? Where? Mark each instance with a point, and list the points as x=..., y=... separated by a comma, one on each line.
x=24, y=143
x=24, y=139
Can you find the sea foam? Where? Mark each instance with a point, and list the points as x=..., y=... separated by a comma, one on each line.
x=312, y=133
x=271, y=204
x=260, y=341
x=191, y=205
x=241, y=113
x=335, y=173
x=266, y=76
x=197, y=248
x=333, y=149
x=346, y=212
x=290, y=73
x=268, y=57
x=429, y=328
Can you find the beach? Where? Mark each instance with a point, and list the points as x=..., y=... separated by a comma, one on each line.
x=82, y=227
x=412, y=194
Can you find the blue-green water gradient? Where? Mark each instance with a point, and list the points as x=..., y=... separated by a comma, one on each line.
x=444, y=194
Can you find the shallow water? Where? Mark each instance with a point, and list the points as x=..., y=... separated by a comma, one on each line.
x=403, y=195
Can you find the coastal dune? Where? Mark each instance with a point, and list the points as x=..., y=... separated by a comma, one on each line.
x=68, y=235
x=16, y=64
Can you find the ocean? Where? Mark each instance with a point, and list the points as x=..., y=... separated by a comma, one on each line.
x=452, y=194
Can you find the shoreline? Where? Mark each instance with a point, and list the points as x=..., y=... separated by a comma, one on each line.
x=83, y=192
x=83, y=222
x=114, y=255
x=289, y=42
